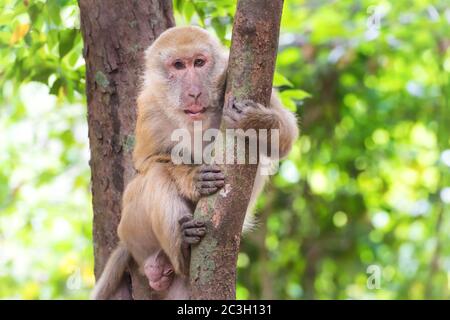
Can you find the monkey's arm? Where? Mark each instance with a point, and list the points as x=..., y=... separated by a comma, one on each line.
x=164, y=213
x=248, y=114
x=287, y=124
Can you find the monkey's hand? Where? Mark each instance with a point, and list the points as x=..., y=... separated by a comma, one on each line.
x=247, y=114
x=208, y=179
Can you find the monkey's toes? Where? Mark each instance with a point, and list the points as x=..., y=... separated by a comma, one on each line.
x=188, y=222
x=193, y=235
x=241, y=106
x=191, y=240
x=192, y=230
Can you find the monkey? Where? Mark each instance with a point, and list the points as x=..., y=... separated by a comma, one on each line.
x=183, y=82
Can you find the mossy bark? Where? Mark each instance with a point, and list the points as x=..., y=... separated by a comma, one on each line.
x=250, y=74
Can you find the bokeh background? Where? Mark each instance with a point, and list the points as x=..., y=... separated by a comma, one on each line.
x=359, y=210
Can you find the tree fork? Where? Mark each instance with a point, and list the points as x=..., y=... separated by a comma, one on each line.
x=250, y=74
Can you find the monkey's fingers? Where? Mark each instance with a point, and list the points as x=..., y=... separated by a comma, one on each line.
x=248, y=106
x=211, y=176
x=239, y=106
x=251, y=103
x=210, y=168
x=230, y=103
x=210, y=184
x=191, y=223
x=192, y=231
x=232, y=116
x=195, y=232
x=208, y=191
x=185, y=219
x=191, y=240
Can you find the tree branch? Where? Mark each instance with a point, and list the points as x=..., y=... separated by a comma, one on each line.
x=250, y=74
x=113, y=65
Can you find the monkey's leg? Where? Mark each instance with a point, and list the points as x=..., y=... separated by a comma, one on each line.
x=159, y=271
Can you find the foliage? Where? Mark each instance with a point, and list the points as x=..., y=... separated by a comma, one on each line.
x=45, y=206
x=365, y=189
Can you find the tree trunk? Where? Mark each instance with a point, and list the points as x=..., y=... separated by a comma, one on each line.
x=250, y=74
x=115, y=35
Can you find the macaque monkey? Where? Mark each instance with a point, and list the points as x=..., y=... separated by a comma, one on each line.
x=184, y=81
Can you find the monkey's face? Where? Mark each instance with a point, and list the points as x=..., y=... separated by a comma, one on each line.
x=185, y=69
x=189, y=79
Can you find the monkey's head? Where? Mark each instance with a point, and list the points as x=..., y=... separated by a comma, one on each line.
x=188, y=66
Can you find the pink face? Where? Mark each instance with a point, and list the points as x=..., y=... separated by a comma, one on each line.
x=191, y=73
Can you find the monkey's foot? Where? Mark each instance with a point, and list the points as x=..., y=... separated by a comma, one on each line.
x=159, y=271
x=192, y=230
x=209, y=179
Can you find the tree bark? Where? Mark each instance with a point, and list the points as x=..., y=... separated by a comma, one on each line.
x=250, y=74
x=115, y=35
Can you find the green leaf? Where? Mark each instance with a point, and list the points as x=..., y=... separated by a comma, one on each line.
x=219, y=27
x=56, y=86
x=54, y=12
x=66, y=41
x=34, y=11
x=279, y=81
x=42, y=74
x=289, y=103
x=178, y=4
x=188, y=11
x=296, y=94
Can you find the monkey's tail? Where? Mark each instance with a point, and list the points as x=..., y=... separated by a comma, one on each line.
x=112, y=274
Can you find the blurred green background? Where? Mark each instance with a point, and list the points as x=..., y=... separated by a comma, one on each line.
x=359, y=209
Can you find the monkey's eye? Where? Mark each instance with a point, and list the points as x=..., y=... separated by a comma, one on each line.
x=199, y=63
x=179, y=65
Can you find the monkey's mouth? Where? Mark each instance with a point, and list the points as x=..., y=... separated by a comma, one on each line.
x=195, y=113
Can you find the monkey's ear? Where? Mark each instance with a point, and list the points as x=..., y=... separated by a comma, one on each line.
x=221, y=65
x=224, y=56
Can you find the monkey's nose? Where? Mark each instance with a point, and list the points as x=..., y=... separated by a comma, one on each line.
x=195, y=95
